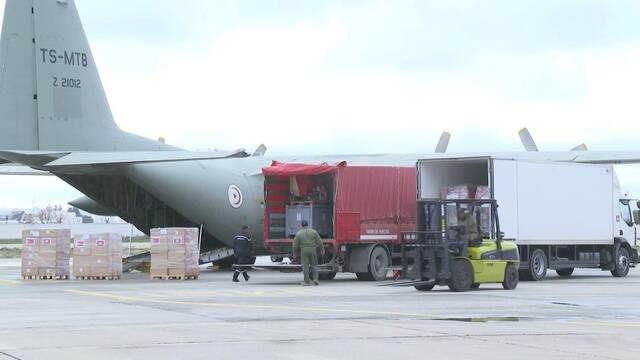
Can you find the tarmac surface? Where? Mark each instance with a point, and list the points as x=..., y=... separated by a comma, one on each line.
x=588, y=316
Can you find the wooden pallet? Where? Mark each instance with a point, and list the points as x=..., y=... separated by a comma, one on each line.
x=180, y=277
x=42, y=277
x=114, y=277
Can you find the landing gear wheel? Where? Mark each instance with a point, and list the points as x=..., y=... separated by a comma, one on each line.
x=475, y=285
x=461, y=275
x=424, y=287
x=510, y=277
x=378, y=266
x=276, y=259
x=537, y=266
x=326, y=276
x=564, y=272
x=621, y=267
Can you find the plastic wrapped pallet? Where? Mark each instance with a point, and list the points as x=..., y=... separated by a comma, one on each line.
x=97, y=256
x=174, y=253
x=45, y=254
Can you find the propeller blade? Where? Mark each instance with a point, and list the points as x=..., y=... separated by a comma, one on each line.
x=527, y=140
x=260, y=151
x=443, y=143
x=581, y=147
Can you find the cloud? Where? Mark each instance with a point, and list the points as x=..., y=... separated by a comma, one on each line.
x=370, y=77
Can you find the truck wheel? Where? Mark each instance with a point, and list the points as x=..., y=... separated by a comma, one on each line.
x=461, y=275
x=537, y=266
x=327, y=276
x=510, y=277
x=276, y=259
x=564, y=272
x=424, y=287
x=378, y=264
x=621, y=267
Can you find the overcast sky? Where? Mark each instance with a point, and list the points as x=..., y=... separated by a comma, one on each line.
x=364, y=76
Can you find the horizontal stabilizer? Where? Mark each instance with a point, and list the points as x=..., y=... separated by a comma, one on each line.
x=13, y=169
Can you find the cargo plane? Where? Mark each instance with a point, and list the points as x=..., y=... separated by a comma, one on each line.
x=55, y=119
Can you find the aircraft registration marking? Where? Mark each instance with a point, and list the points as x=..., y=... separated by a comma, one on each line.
x=66, y=57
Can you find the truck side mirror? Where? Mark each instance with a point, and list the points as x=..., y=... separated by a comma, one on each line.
x=636, y=217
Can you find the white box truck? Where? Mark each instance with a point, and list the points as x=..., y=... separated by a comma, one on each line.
x=561, y=215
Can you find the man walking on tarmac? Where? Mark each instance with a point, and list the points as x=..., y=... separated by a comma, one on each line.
x=306, y=244
x=242, y=247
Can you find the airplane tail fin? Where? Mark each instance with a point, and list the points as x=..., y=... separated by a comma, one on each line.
x=51, y=96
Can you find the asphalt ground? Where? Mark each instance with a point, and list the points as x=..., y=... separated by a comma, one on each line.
x=588, y=316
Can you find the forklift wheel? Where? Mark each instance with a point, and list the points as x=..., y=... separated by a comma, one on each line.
x=424, y=287
x=461, y=275
x=510, y=277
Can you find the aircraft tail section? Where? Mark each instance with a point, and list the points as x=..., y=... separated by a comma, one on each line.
x=51, y=96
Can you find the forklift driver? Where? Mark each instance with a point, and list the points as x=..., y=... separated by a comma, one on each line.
x=468, y=227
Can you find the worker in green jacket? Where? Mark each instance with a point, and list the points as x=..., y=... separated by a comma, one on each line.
x=306, y=244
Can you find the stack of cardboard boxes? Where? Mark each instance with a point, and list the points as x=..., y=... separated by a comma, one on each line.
x=45, y=254
x=174, y=253
x=460, y=192
x=97, y=256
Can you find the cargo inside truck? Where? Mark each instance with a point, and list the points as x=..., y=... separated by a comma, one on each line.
x=297, y=192
x=346, y=204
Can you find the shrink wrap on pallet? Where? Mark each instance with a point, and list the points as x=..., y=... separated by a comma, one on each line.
x=45, y=253
x=97, y=255
x=174, y=253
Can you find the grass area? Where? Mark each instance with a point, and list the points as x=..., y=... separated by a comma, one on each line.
x=6, y=253
x=125, y=240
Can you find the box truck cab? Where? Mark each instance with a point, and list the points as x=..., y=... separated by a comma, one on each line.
x=561, y=215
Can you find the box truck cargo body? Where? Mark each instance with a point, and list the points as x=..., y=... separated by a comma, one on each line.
x=561, y=215
x=359, y=212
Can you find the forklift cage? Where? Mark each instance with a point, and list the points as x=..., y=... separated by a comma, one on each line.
x=431, y=241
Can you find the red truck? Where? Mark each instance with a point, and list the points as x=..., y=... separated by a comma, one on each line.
x=358, y=210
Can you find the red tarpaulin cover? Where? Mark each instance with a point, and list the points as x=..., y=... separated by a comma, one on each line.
x=293, y=169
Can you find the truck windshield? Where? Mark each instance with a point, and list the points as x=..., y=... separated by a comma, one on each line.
x=625, y=211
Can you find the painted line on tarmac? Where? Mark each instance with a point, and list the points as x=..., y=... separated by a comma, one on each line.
x=606, y=323
x=10, y=282
x=245, y=306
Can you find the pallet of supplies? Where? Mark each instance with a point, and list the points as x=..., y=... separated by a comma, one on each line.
x=97, y=257
x=175, y=253
x=45, y=254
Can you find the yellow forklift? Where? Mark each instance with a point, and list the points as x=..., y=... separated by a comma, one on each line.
x=458, y=243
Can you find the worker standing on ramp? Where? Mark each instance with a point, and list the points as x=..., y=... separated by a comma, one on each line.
x=242, y=247
x=306, y=244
